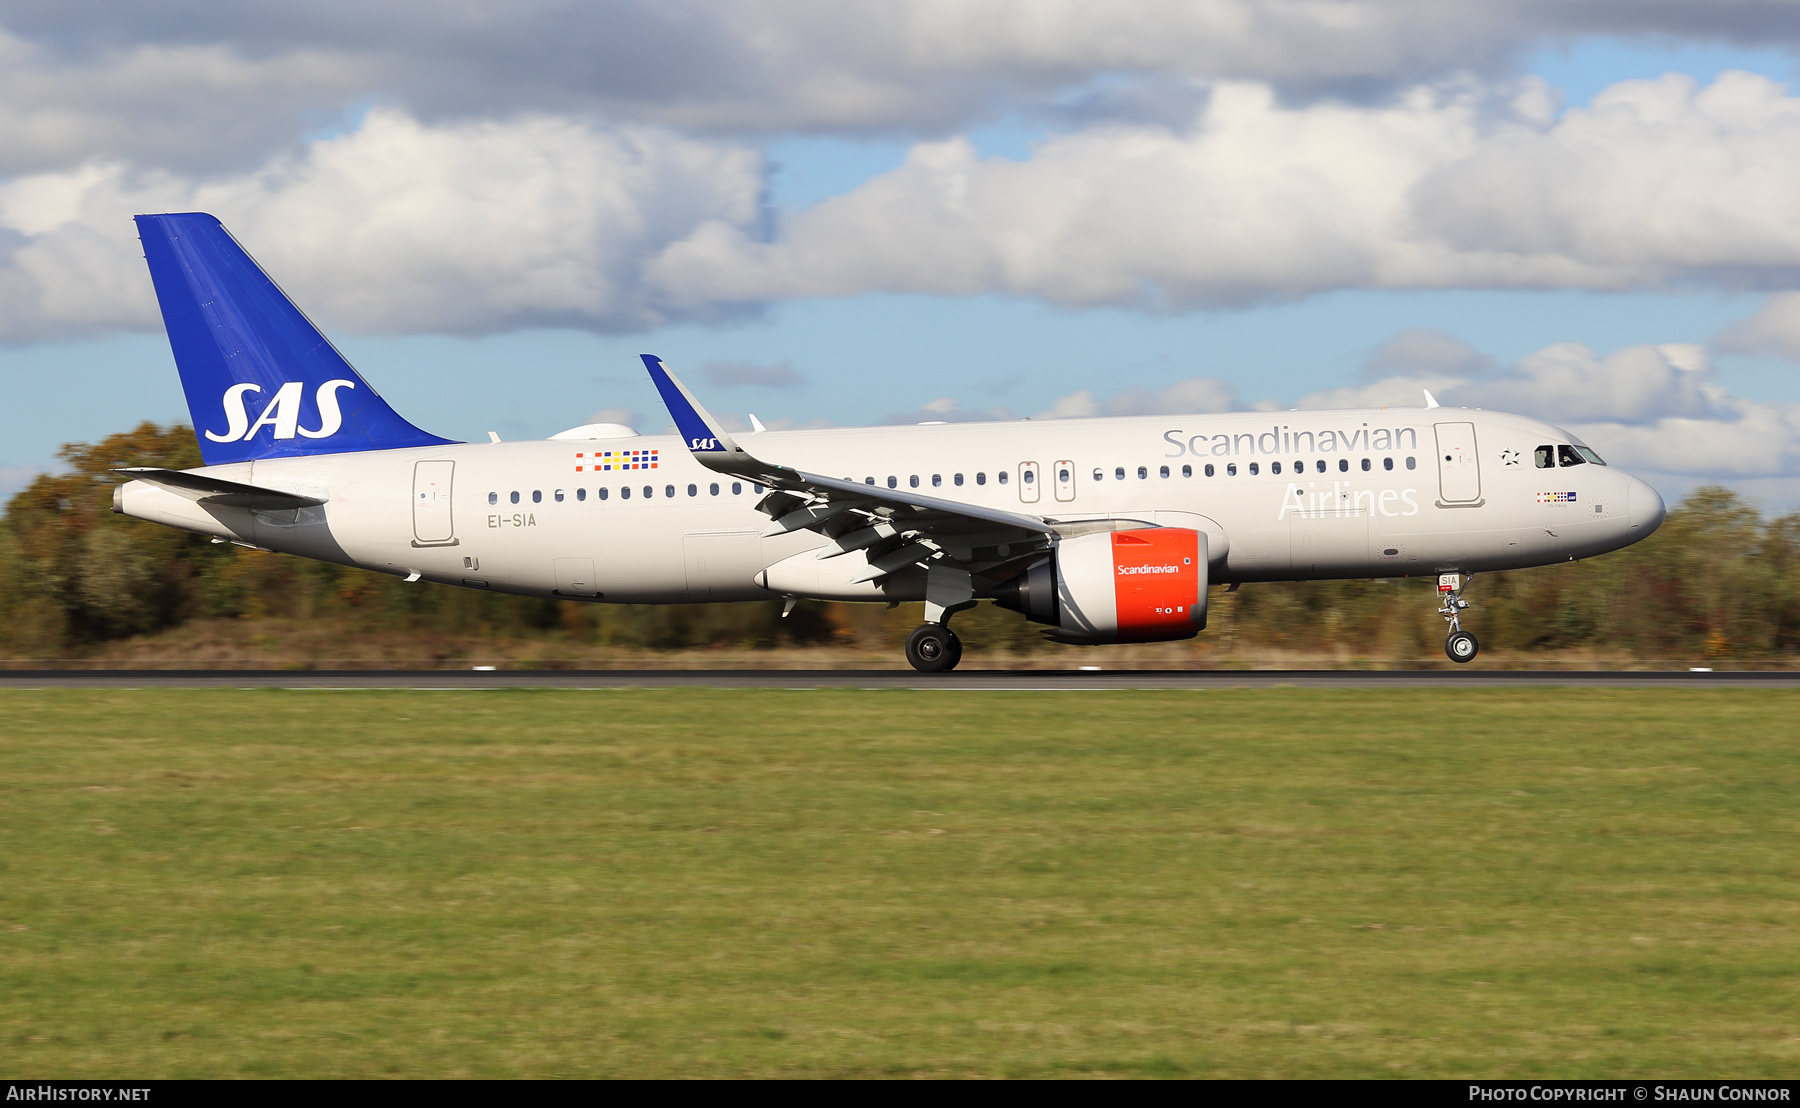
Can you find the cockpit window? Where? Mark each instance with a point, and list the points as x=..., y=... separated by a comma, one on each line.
x=1565, y=455
x=1590, y=455
x=1546, y=457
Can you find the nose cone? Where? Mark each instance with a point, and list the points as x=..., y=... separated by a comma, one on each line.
x=1644, y=510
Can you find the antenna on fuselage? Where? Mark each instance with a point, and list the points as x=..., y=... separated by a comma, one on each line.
x=1430, y=400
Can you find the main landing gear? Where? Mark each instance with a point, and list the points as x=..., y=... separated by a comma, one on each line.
x=1460, y=645
x=933, y=648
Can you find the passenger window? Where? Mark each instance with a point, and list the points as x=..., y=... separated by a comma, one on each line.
x=1143, y=473
x=493, y=498
x=756, y=488
x=1387, y=463
x=624, y=492
x=713, y=488
x=581, y=495
x=559, y=496
x=1187, y=471
x=1343, y=465
x=693, y=490
x=1589, y=455
x=1365, y=465
x=1231, y=469
x=668, y=490
x=1274, y=467
x=1119, y=474
x=1299, y=467
x=1209, y=469
x=913, y=481
x=1063, y=475
x=1321, y=465
x=958, y=480
x=601, y=493
x=893, y=482
x=1411, y=462
x=537, y=496
x=1254, y=470
x=1565, y=455
x=937, y=480
x=868, y=480
x=736, y=488
x=1545, y=457
x=515, y=497
x=1001, y=477
x=649, y=491
x=981, y=478
x=1099, y=474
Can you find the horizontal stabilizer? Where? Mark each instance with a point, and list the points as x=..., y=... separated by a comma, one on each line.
x=216, y=490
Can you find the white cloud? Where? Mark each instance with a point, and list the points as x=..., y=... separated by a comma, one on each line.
x=396, y=227
x=1196, y=394
x=1657, y=182
x=196, y=106
x=1774, y=329
x=947, y=409
x=1649, y=409
x=1656, y=409
x=543, y=220
x=172, y=83
x=627, y=416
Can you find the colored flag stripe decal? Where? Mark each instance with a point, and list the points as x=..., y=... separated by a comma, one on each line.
x=606, y=461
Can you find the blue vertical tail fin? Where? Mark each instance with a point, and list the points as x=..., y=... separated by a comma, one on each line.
x=261, y=381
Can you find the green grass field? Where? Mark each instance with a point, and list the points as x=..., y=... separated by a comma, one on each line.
x=1290, y=882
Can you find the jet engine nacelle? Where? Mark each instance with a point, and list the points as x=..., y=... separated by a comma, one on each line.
x=1146, y=585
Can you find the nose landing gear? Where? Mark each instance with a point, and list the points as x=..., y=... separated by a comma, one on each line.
x=1460, y=645
x=933, y=648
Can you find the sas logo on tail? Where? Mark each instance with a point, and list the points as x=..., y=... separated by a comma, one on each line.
x=282, y=412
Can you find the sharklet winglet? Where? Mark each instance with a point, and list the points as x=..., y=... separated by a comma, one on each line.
x=707, y=439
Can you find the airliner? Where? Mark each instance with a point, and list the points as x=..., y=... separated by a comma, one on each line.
x=1104, y=530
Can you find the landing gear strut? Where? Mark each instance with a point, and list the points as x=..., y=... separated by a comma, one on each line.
x=1460, y=645
x=933, y=648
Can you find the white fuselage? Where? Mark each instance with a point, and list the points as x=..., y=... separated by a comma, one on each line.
x=1290, y=496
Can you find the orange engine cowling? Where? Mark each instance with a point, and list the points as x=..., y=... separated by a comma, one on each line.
x=1146, y=585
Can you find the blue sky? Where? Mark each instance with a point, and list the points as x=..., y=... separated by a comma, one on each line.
x=866, y=356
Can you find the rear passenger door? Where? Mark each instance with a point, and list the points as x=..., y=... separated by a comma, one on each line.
x=432, y=521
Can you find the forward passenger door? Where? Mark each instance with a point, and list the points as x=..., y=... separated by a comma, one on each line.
x=1459, y=468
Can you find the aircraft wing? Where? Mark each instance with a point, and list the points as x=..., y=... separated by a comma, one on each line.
x=216, y=490
x=898, y=527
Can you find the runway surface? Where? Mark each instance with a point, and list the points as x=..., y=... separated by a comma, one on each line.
x=965, y=680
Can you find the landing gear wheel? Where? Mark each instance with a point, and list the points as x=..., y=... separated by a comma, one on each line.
x=931, y=648
x=1461, y=646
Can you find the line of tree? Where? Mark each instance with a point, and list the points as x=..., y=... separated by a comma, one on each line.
x=1718, y=580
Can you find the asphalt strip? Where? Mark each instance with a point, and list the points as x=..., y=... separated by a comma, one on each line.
x=978, y=681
